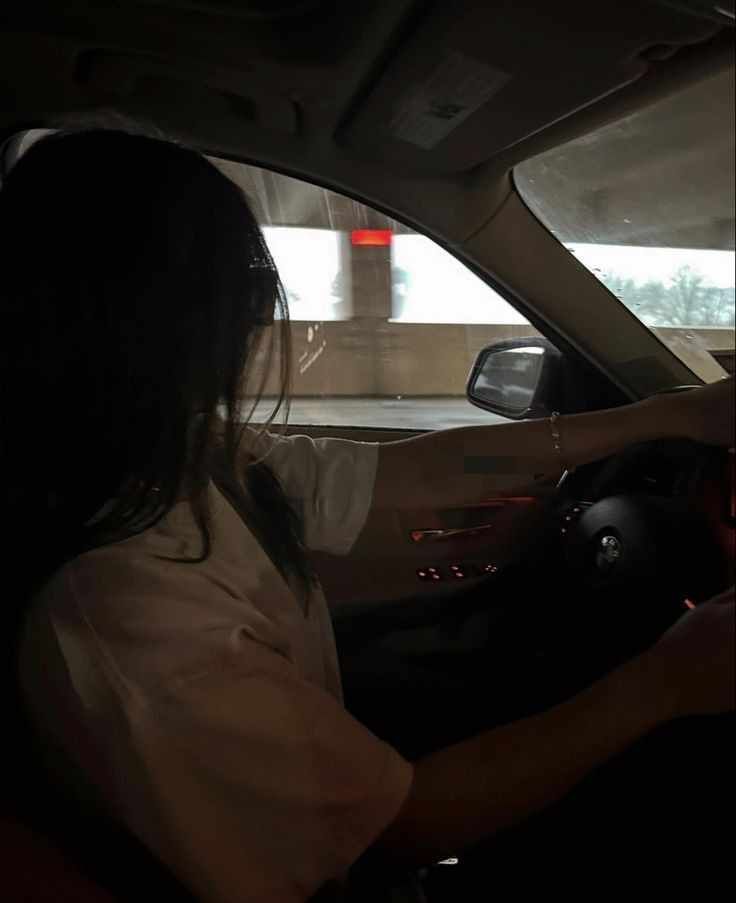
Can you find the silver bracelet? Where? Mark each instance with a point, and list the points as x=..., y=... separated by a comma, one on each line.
x=556, y=437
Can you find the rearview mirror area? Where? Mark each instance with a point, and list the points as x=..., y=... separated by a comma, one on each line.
x=518, y=379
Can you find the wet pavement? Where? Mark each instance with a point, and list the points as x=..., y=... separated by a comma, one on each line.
x=399, y=413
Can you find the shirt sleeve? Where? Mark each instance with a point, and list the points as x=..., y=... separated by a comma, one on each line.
x=330, y=481
x=260, y=786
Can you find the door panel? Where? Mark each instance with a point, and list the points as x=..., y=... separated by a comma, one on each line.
x=428, y=551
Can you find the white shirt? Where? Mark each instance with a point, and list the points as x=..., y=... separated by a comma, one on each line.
x=199, y=704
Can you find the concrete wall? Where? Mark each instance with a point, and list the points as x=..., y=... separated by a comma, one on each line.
x=367, y=356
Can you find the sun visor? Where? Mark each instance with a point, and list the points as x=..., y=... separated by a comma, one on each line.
x=120, y=78
x=465, y=86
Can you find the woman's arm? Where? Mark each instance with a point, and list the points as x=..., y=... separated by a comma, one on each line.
x=462, y=465
x=469, y=791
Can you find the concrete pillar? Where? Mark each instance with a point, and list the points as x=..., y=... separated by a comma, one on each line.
x=371, y=292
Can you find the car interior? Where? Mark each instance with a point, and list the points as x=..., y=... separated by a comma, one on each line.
x=507, y=133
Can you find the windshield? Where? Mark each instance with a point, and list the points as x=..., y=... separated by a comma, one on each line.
x=647, y=205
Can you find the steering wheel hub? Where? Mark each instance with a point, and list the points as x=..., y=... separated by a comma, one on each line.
x=609, y=551
x=633, y=537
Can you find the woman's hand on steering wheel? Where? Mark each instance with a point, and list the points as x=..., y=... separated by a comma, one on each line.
x=697, y=658
x=706, y=414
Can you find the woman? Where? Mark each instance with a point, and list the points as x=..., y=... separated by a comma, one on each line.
x=176, y=650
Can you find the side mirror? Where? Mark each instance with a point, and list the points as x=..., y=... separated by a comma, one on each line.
x=518, y=378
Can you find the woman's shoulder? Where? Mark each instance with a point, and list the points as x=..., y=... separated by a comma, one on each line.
x=152, y=616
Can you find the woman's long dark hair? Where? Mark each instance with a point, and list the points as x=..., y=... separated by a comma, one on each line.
x=135, y=290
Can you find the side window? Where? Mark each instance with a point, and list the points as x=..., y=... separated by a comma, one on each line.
x=386, y=324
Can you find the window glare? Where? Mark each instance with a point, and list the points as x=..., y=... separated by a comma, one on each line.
x=429, y=285
x=308, y=261
x=666, y=286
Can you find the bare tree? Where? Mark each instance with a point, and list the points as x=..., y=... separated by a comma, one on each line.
x=688, y=300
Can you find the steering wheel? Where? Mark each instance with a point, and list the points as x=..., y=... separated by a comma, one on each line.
x=661, y=513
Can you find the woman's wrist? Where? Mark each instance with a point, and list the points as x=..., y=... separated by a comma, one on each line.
x=658, y=417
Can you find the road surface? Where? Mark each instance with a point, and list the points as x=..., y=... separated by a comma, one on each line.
x=401, y=413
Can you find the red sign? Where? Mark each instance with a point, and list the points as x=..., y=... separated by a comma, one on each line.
x=375, y=237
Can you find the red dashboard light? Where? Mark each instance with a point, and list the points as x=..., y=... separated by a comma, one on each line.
x=374, y=237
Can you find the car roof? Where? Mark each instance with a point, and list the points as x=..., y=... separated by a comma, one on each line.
x=432, y=89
